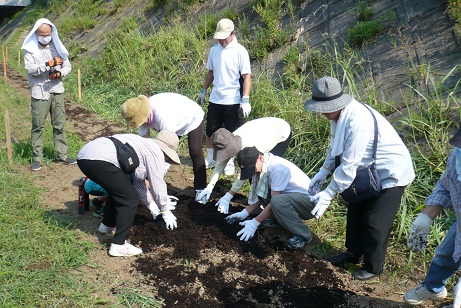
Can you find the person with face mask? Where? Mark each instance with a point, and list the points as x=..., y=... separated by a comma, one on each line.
x=46, y=61
x=230, y=72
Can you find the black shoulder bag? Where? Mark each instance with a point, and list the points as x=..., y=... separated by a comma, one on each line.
x=366, y=184
x=126, y=155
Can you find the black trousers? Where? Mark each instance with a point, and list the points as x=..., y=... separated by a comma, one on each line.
x=195, y=141
x=369, y=224
x=122, y=201
x=223, y=115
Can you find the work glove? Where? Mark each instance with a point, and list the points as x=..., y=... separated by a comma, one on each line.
x=317, y=181
x=54, y=62
x=154, y=210
x=419, y=231
x=223, y=203
x=245, y=106
x=322, y=201
x=202, y=196
x=201, y=96
x=171, y=202
x=53, y=74
x=170, y=220
x=242, y=215
x=249, y=229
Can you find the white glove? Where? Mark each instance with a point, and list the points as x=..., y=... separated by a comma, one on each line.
x=202, y=196
x=171, y=203
x=419, y=231
x=201, y=96
x=154, y=210
x=223, y=203
x=170, y=220
x=322, y=202
x=317, y=181
x=245, y=106
x=249, y=229
x=242, y=215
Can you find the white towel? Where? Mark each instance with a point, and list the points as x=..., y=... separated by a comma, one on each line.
x=260, y=183
x=31, y=43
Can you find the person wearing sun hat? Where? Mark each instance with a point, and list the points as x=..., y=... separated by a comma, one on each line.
x=351, y=148
x=447, y=259
x=98, y=161
x=281, y=188
x=268, y=134
x=174, y=112
x=228, y=63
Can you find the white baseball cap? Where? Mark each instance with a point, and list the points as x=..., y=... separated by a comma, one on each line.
x=223, y=29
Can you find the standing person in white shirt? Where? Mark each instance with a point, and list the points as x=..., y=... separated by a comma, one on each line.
x=174, y=112
x=268, y=134
x=282, y=188
x=369, y=222
x=46, y=61
x=229, y=106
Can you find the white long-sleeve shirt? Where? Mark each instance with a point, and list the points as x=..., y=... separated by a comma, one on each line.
x=393, y=161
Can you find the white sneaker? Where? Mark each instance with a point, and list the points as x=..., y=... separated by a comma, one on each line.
x=209, y=162
x=105, y=229
x=419, y=294
x=125, y=250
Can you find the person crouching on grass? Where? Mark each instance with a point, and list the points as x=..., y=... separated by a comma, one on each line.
x=282, y=188
x=98, y=161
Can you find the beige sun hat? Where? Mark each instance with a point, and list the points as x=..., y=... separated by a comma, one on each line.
x=136, y=111
x=168, y=141
x=223, y=29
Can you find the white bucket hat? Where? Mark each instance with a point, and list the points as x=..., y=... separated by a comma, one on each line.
x=327, y=96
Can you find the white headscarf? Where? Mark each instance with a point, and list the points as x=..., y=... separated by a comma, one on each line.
x=31, y=43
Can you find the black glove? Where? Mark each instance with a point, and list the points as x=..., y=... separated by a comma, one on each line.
x=54, y=74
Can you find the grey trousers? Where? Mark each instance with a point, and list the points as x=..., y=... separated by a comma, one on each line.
x=290, y=209
x=40, y=109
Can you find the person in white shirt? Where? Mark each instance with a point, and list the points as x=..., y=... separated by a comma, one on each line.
x=228, y=63
x=369, y=222
x=282, y=188
x=268, y=134
x=46, y=61
x=174, y=112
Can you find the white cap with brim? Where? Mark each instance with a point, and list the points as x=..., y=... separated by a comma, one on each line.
x=224, y=28
x=327, y=96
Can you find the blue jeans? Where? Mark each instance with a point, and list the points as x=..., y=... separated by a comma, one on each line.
x=442, y=266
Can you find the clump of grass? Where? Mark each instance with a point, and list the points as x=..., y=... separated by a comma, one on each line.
x=363, y=32
x=454, y=8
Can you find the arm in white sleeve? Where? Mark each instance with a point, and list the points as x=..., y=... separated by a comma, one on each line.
x=65, y=68
x=238, y=184
x=33, y=66
x=217, y=171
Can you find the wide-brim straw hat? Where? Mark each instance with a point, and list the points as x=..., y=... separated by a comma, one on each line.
x=168, y=142
x=136, y=111
x=225, y=144
x=327, y=96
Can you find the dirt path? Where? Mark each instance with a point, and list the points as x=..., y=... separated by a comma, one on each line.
x=202, y=262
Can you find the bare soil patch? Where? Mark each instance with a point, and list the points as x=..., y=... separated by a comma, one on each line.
x=202, y=262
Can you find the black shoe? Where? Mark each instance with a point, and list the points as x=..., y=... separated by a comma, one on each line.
x=345, y=257
x=36, y=166
x=67, y=161
x=362, y=274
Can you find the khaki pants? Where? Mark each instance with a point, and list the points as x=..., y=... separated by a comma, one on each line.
x=40, y=109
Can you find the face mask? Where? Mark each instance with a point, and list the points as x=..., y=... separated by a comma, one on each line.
x=45, y=40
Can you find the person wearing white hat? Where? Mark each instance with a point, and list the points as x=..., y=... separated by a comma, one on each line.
x=98, y=160
x=46, y=61
x=369, y=222
x=447, y=259
x=228, y=63
x=175, y=112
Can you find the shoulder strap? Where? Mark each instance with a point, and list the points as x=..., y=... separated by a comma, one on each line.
x=375, y=141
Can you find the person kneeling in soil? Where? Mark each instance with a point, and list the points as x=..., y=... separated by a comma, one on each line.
x=447, y=259
x=266, y=134
x=98, y=161
x=175, y=112
x=282, y=188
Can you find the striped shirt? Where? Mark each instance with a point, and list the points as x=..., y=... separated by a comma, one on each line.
x=151, y=164
x=447, y=193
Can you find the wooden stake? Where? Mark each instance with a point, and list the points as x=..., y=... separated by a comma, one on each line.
x=4, y=62
x=6, y=54
x=8, y=138
x=19, y=57
x=79, y=85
